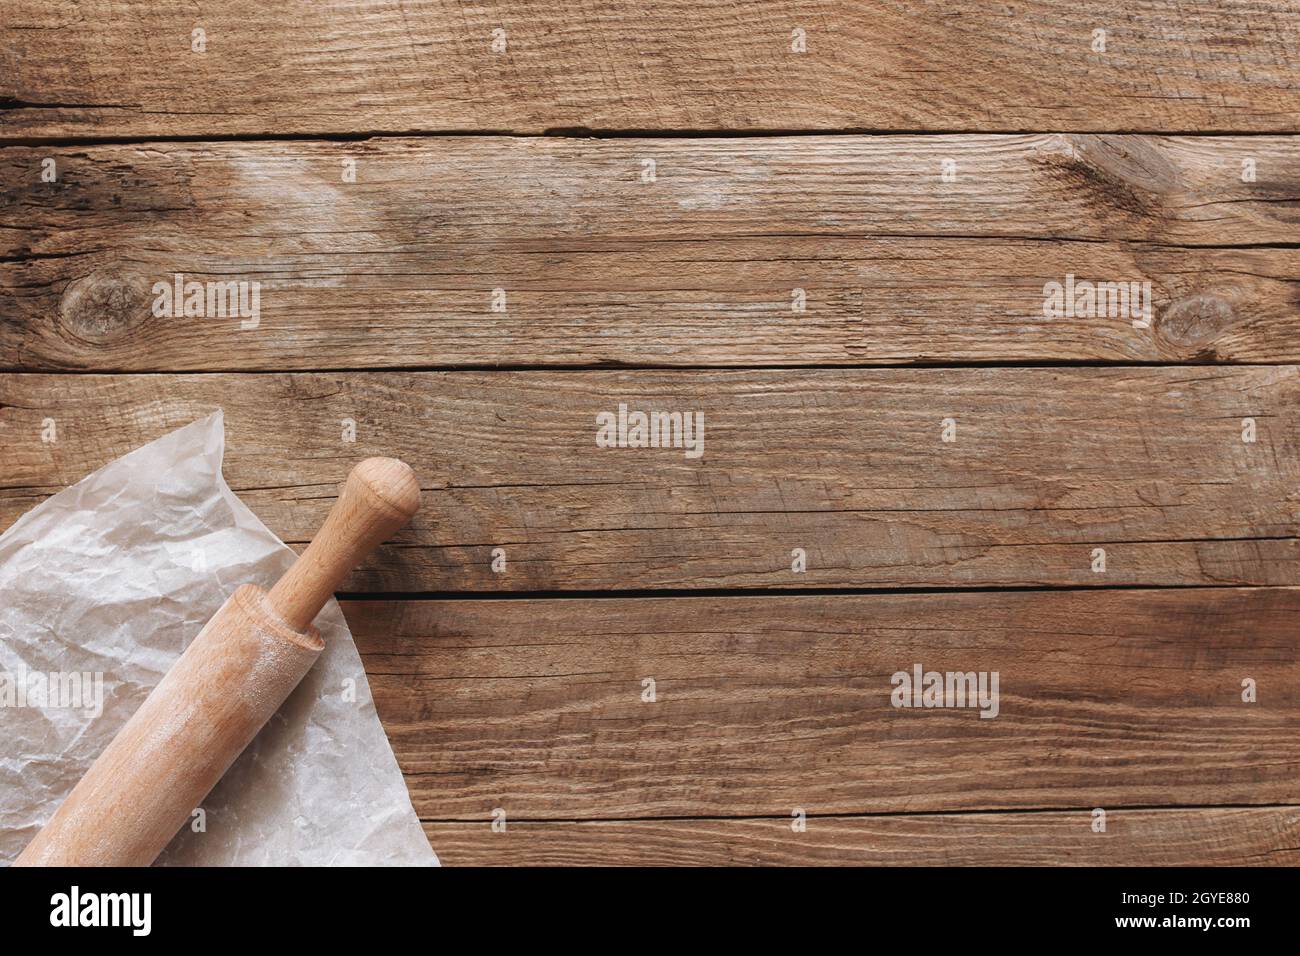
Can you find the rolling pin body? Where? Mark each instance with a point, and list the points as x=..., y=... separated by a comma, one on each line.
x=220, y=692
x=186, y=734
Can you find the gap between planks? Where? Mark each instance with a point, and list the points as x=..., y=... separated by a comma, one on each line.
x=671, y=593
x=343, y=137
x=884, y=815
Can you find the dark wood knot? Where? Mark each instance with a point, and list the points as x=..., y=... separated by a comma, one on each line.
x=1193, y=323
x=104, y=307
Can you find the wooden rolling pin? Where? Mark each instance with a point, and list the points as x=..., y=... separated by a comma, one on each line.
x=221, y=691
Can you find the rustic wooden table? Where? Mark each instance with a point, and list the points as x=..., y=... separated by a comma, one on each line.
x=830, y=228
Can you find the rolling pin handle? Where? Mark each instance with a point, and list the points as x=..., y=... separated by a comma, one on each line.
x=378, y=498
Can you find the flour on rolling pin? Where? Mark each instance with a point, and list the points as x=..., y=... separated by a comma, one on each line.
x=109, y=581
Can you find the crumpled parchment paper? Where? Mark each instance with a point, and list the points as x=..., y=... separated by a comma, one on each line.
x=115, y=576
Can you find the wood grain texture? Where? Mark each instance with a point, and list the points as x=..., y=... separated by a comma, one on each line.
x=767, y=704
x=697, y=268
x=113, y=68
x=1147, y=463
x=1264, y=836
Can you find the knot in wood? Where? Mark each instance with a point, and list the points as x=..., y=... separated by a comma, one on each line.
x=1193, y=322
x=104, y=306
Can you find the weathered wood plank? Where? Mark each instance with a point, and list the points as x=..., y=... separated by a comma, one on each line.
x=1229, y=836
x=110, y=68
x=697, y=268
x=848, y=465
x=764, y=705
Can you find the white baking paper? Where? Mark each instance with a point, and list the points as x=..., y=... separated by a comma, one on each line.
x=115, y=576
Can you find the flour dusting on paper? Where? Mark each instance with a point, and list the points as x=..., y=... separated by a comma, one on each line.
x=114, y=576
